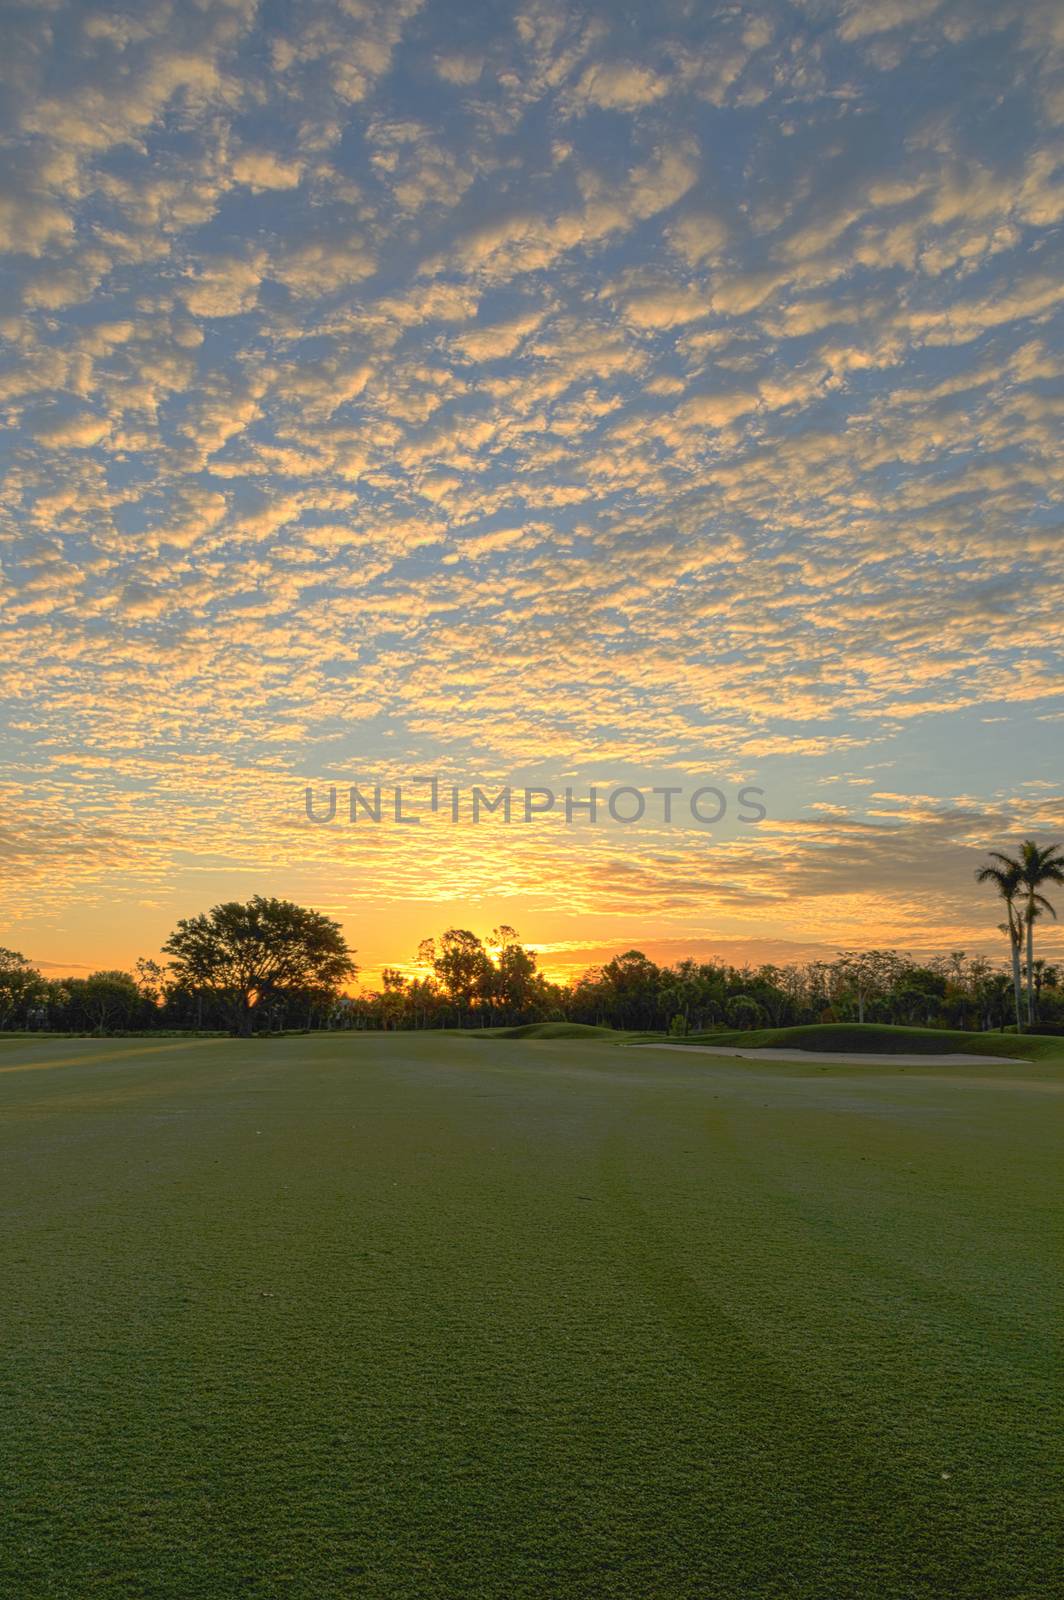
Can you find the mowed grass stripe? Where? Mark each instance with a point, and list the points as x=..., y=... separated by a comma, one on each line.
x=96, y=1056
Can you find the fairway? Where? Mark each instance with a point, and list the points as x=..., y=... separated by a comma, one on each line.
x=411, y=1316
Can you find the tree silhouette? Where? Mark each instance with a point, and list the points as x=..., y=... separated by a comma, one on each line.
x=248, y=955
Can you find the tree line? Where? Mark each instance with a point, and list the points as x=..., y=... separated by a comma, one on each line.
x=469, y=983
x=269, y=965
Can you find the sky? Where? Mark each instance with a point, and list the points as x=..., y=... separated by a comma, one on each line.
x=553, y=395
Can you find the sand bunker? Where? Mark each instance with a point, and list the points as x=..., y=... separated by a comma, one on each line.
x=847, y=1058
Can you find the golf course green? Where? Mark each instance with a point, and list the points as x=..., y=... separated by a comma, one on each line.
x=420, y=1316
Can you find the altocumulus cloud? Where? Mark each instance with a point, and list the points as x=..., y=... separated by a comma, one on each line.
x=537, y=387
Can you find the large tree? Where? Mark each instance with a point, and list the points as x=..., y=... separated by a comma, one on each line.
x=510, y=978
x=1038, y=867
x=631, y=982
x=1005, y=876
x=247, y=955
x=109, y=1000
x=461, y=965
x=1022, y=878
x=21, y=985
x=867, y=973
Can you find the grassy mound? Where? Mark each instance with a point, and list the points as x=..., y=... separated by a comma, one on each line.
x=829, y=1038
x=558, y=1030
x=881, y=1039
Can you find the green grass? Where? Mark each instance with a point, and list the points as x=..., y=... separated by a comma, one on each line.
x=422, y=1317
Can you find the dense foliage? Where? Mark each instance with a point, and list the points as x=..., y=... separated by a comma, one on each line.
x=462, y=983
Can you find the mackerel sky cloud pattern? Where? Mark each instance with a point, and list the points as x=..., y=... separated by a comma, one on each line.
x=536, y=393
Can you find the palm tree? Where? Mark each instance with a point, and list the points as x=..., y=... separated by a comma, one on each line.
x=1006, y=878
x=1037, y=867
